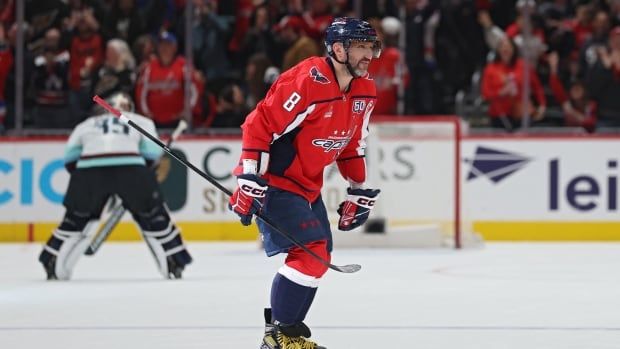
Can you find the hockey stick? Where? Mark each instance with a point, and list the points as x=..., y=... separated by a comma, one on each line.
x=119, y=210
x=349, y=268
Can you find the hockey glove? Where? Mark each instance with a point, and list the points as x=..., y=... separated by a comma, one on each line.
x=356, y=209
x=248, y=197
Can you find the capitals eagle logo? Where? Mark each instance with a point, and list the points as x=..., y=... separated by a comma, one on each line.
x=318, y=76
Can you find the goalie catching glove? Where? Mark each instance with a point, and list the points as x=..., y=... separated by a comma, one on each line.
x=248, y=197
x=355, y=210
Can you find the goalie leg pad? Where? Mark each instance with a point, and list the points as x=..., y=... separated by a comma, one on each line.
x=66, y=245
x=164, y=240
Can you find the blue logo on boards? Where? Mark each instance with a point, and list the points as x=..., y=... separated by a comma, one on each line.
x=496, y=165
x=31, y=180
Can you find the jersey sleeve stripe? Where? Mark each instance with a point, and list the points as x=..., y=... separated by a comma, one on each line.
x=302, y=116
x=364, y=130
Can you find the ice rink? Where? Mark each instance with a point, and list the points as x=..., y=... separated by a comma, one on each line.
x=502, y=296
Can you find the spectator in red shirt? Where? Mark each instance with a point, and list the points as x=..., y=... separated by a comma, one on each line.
x=502, y=87
x=7, y=13
x=383, y=70
x=538, y=42
x=581, y=26
x=160, y=92
x=243, y=14
x=86, y=58
x=318, y=18
x=514, y=29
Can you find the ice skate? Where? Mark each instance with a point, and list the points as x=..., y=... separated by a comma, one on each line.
x=286, y=337
x=49, y=264
x=175, y=270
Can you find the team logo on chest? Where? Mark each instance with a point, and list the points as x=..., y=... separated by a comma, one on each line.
x=338, y=141
x=359, y=106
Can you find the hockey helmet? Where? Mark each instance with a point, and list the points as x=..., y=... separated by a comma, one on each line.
x=121, y=101
x=348, y=29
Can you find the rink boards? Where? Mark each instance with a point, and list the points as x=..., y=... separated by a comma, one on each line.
x=513, y=188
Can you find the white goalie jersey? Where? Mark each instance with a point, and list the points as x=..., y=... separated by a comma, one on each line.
x=103, y=140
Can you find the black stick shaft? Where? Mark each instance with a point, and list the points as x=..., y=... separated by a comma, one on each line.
x=345, y=269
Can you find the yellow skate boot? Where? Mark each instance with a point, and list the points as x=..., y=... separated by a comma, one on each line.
x=278, y=336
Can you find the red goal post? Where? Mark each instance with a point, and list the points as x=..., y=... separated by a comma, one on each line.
x=416, y=162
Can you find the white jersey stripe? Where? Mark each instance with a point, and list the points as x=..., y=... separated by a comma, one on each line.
x=298, y=277
x=298, y=120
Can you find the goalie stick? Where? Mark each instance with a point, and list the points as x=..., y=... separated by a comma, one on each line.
x=349, y=268
x=118, y=211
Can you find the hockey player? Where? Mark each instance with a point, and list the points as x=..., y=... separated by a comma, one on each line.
x=315, y=113
x=106, y=157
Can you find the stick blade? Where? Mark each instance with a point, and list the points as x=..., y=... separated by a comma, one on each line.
x=348, y=269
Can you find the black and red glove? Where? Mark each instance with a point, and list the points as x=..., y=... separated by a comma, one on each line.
x=248, y=197
x=356, y=209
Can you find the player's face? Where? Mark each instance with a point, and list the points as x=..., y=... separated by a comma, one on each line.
x=360, y=55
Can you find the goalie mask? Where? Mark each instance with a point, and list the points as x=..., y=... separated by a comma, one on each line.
x=121, y=101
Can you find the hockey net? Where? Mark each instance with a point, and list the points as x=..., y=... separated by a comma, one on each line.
x=415, y=163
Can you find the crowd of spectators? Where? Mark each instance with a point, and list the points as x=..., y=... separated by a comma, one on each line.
x=568, y=51
x=572, y=60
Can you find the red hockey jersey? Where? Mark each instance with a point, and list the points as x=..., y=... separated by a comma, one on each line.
x=160, y=91
x=306, y=123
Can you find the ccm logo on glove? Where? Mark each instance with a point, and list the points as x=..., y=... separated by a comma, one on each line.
x=247, y=199
x=255, y=192
x=356, y=209
x=365, y=202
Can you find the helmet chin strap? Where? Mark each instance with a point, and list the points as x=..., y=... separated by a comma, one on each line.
x=347, y=64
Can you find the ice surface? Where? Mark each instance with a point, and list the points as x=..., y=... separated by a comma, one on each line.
x=503, y=296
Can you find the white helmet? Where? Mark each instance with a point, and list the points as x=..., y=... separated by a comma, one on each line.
x=121, y=101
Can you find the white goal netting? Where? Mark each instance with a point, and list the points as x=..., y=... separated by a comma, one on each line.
x=415, y=163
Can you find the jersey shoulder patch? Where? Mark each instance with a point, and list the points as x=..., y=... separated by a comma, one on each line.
x=317, y=76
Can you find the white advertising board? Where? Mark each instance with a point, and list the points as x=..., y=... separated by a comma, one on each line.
x=33, y=180
x=554, y=179
x=504, y=179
